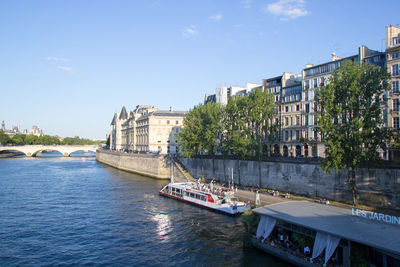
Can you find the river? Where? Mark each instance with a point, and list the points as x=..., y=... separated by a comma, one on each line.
x=76, y=211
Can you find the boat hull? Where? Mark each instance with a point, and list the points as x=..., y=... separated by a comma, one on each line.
x=209, y=207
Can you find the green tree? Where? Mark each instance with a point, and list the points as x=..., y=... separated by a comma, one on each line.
x=261, y=108
x=4, y=138
x=236, y=131
x=31, y=139
x=201, y=128
x=189, y=138
x=18, y=139
x=350, y=119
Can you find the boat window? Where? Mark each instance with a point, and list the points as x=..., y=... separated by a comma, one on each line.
x=191, y=195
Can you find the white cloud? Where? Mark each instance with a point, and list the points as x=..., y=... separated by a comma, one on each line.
x=247, y=3
x=190, y=32
x=64, y=68
x=287, y=9
x=58, y=59
x=216, y=17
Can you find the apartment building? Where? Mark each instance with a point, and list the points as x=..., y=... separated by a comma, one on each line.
x=314, y=79
x=393, y=64
x=224, y=93
x=285, y=90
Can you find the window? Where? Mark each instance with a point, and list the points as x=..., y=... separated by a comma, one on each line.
x=287, y=109
x=395, y=104
x=395, y=55
x=307, y=84
x=322, y=81
x=306, y=120
x=297, y=107
x=287, y=121
x=297, y=135
x=396, y=123
x=315, y=83
x=168, y=122
x=395, y=86
x=286, y=135
x=176, y=122
x=307, y=108
x=395, y=70
x=298, y=120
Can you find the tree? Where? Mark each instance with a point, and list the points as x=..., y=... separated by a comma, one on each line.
x=18, y=139
x=261, y=108
x=201, y=128
x=350, y=119
x=4, y=138
x=31, y=139
x=189, y=138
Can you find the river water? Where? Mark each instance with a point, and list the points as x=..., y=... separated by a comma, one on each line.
x=76, y=211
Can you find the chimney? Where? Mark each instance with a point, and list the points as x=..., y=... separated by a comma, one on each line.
x=171, y=109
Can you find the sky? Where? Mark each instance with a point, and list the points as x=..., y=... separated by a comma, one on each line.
x=67, y=66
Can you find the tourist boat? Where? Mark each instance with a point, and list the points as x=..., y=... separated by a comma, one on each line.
x=217, y=199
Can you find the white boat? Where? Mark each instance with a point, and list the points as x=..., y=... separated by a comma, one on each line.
x=218, y=199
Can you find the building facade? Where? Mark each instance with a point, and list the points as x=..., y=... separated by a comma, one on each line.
x=146, y=129
x=286, y=91
x=314, y=79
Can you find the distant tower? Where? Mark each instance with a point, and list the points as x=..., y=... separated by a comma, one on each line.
x=3, y=126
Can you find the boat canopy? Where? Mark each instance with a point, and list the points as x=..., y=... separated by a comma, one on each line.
x=338, y=222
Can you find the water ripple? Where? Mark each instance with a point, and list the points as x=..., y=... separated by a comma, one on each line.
x=79, y=212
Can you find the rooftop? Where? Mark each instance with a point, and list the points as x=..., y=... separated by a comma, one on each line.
x=336, y=221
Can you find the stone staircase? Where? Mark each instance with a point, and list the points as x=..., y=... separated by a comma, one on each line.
x=181, y=170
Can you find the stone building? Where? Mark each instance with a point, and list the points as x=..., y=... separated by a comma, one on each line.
x=146, y=129
x=315, y=78
x=286, y=90
x=393, y=65
x=224, y=93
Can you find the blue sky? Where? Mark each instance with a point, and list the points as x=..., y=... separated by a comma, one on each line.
x=67, y=66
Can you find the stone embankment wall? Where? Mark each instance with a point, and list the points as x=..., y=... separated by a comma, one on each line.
x=376, y=187
x=156, y=166
x=149, y=165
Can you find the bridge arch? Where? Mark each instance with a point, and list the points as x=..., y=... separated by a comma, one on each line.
x=34, y=154
x=12, y=150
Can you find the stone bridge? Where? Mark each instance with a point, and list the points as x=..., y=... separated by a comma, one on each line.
x=33, y=150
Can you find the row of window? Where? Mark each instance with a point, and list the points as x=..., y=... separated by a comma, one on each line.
x=314, y=83
x=169, y=122
x=292, y=108
x=322, y=69
x=295, y=135
x=196, y=196
x=290, y=121
x=291, y=98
